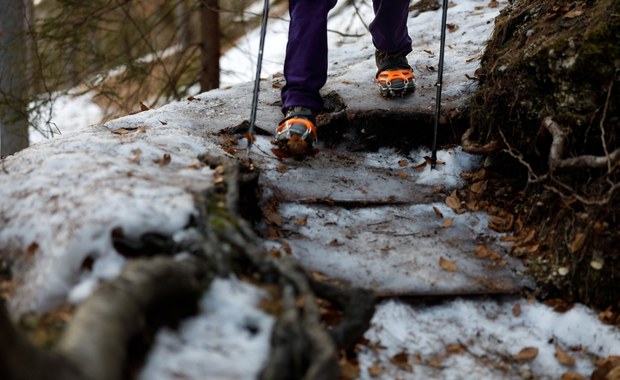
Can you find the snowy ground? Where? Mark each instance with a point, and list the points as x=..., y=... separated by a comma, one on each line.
x=65, y=196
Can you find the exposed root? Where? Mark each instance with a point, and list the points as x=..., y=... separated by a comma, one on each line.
x=474, y=148
x=556, y=152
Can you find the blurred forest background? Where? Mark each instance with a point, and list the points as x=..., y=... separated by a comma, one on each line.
x=127, y=52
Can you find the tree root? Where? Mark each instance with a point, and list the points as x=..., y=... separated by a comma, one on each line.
x=556, y=152
x=95, y=343
x=472, y=147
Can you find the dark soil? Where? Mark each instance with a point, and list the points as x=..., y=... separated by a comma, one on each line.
x=560, y=60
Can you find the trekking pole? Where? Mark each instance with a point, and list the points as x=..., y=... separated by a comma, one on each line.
x=439, y=84
x=259, y=64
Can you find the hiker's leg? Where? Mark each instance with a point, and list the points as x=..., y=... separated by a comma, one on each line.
x=389, y=27
x=305, y=64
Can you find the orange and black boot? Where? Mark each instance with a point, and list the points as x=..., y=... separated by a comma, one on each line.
x=296, y=134
x=394, y=76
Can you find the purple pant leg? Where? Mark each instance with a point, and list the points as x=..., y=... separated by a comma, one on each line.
x=305, y=65
x=389, y=27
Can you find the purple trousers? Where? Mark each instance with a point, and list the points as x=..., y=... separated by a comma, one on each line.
x=305, y=64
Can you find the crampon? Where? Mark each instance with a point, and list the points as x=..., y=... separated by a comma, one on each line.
x=395, y=83
x=296, y=135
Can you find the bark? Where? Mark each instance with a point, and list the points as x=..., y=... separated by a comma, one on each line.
x=98, y=336
x=13, y=77
x=210, y=20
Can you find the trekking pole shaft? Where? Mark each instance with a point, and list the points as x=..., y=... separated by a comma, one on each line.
x=259, y=65
x=439, y=84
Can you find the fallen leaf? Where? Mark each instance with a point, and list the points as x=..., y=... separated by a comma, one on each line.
x=403, y=175
x=419, y=166
x=302, y=221
x=401, y=360
x=516, y=310
x=281, y=168
x=120, y=131
x=273, y=217
x=164, y=160
x=527, y=354
x=447, y=265
x=564, y=358
x=403, y=163
x=453, y=201
x=482, y=251
x=438, y=212
x=142, y=129
x=430, y=160
x=348, y=370
x=574, y=13
x=578, y=242
x=494, y=4
x=144, y=107
x=604, y=368
x=447, y=223
x=572, y=375
x=191, y=98
x=375, y=370
x=455, y=348
x=478, y=187
x=452, y=27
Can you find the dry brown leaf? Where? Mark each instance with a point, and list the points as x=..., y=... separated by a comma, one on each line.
x=403, y=175
x=604, y=368
x=302, y=221
x=607, y=316
x=564, y=358
x=273, y=217
x=494, y=4
x=482, y=251
x=144, y=107
x=453, y=201
x=438, y=212
x=281, y=168
x=572, y=375
x=120, y=131
x=455, y=348
x=141, y=129
x=435, y=362
x=578, y=242
x=348, y=370
x=447, y=265
x=516, y=310
x=574, y=13
x=403, y=163
x=501, y=223
x=447, y=223
x=452, y=28
x=419, y=166
x=401, y=360
x=375, y=370
x=478, y=187
x=164, y=160
x=527, y=354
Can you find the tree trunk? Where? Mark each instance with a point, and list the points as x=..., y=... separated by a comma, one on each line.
x=183, y=24
x=210, y=20
x=13, y=73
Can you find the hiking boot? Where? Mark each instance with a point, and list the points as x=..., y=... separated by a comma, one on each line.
x=296, y=134
x=394, y=76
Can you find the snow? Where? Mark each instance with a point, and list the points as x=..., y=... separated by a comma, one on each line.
x=228, y=339
x=63, y=197
x=490, y=333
